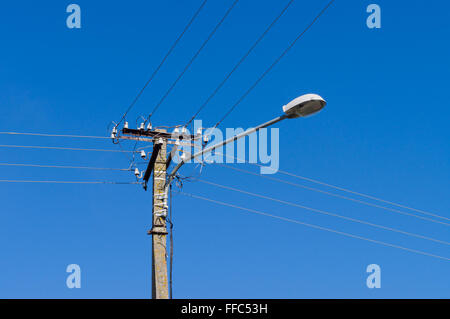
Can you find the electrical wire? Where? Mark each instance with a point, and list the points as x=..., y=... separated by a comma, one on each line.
x=163, y=61
x=358, y=194
x=316, y=226
x=324, y=192
x=53, y=135
x=261, y=37
x=335, y=195
x=192, y=59
x=340, y=189
x=65, y=148
x=69, y=182
x=362, y=195
x=131, y=158
x=137, y=150
x=323, y=212
x=68, y=167
x=186, y=68
x=239, y=101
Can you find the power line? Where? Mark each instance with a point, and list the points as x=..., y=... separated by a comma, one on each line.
x=336, y=195
x=65, y=148
x=53, y=135
x=248, y=172
x=355, y=193
x=325, y=192
x=361, y=194
x=316, y=226
x=240, y=62
x=192, y=59
x=68, y=167
x=163, y=60
x=189, y=64
x=69, y=182
x=323, y=212
x=273, y=64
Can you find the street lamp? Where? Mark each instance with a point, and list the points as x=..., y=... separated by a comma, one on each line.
x=302, y=106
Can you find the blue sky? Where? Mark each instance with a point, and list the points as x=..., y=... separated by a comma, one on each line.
x=384, y=132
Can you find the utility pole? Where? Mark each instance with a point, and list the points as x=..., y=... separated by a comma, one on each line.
x=159, y=226
x=158, y=163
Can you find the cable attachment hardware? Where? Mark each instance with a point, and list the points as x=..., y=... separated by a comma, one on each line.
x=161, y=196
x=144, y=156
x=162, y=212
x=138, y=174
x=114, y=133
x=154, y=231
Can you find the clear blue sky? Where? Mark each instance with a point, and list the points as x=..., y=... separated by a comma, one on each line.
x=384, y=132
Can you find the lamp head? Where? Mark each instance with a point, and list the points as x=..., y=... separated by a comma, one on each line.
x=304, y=105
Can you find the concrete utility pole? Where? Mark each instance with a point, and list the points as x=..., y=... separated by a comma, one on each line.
x=159, y=228
x=157, y=165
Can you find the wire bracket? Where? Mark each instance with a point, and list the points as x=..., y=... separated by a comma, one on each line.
x=153, y=231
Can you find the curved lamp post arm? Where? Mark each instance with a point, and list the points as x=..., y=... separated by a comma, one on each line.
x=213, y=147
x=302, y=106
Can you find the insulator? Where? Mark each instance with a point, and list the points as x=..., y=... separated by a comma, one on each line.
x=114, y=133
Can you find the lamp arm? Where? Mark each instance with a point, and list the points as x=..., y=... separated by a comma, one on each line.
x=213, y=147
